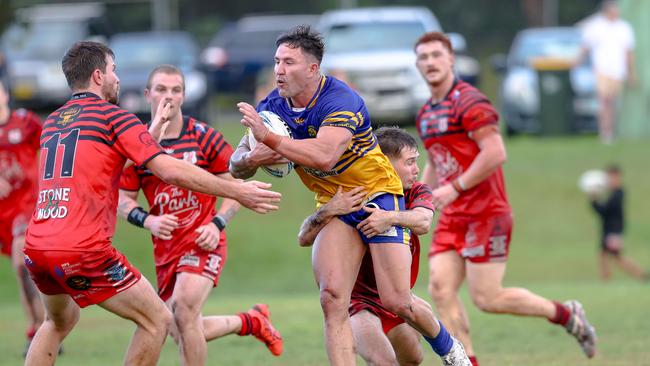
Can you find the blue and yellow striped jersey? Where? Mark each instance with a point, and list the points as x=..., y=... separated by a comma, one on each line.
x=362, y=163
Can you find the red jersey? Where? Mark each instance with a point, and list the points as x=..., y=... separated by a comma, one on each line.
x=19, y=144
x=444, y=128
x=198, y=144
x=84, y=146
x=366, y=287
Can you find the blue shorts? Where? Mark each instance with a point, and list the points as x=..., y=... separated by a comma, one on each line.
x=384, y=201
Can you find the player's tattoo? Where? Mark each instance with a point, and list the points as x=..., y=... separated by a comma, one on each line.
x=229, y=214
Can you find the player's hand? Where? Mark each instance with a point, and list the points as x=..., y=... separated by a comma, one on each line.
x=160, y=121
x=263, y=155
x=378, y=222
x=444, y=195
x=344, y=203
x=5, y=188
x=209, y=236
x=252, y=120
x=256, y=196
x=161, y=226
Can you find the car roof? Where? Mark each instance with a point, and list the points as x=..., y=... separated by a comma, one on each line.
x=384, y=13
x=172, y=35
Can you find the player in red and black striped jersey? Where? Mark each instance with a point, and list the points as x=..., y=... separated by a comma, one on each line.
x=190, y=247
x=381, y=336
x=459, y=129
x=19, y=143
x=84, y=147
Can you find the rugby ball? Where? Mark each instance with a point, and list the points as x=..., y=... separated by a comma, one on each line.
x=278, y=126
x=593, y=181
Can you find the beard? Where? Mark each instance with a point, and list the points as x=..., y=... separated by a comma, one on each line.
x=111, y=93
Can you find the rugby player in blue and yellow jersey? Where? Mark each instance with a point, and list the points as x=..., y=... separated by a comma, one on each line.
x=333, y=146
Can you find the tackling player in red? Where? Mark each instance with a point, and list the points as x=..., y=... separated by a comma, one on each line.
x=19, y=143
x=68, y=246
x=459, y=129
x=190, y=247
x=381, y=337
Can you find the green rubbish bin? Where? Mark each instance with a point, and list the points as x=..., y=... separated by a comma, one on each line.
x=556, y=115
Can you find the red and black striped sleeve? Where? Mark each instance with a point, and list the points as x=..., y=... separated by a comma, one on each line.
x=216, y=149
x=420, y=195
x=131, y=137
x=475, y=110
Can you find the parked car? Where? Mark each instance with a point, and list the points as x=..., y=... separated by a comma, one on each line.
x=138, y=53
x=379, y=62
x=519, y=91
x=242, y=49
x=35, y=43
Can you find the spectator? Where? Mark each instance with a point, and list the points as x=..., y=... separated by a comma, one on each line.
x=610, y=40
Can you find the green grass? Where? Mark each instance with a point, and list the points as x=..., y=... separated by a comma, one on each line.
x=553, y=253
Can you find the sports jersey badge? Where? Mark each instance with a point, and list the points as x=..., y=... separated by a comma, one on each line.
x=443, y=124
x=68, y=115
x=15, y=136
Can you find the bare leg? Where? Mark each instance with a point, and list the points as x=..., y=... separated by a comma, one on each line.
x=141, y=304
x=392, y=263
x=485, y=287
x=606, y=118
x=604, y=267
x=217, y=326
x=447, y=272
x=190, y=292
x=62, y=315
x=631, y=267
x=406, y=343
x=29, y=295
x=336, y=258
x=371, y=343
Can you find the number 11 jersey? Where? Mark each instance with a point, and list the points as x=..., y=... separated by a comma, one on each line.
x=84, y=145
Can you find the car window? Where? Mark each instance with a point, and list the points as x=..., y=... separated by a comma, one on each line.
x=560, y=45
x=146, y=52
x=373, y=36
x=43, y=40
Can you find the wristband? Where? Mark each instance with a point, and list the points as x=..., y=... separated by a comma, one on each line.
x=272, y=140
x=220, y=222
x=137, y=216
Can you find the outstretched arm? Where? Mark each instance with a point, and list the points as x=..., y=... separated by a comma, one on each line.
x=253, y=195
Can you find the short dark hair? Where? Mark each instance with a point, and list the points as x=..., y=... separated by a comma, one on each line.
x=434, y=37
x=303, y=37
x=81, y=60
x=165, y=69
x=393, y=139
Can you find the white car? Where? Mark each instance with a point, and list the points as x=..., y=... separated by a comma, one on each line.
x=372, y=48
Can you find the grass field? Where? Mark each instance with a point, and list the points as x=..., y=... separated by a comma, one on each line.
x=553, y=253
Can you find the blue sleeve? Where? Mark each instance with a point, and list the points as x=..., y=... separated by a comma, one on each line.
x=343, y=110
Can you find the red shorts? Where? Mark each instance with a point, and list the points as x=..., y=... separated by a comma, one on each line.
x=11, y=226
x=89, y=277
x=477, y=239
x=206, y=264
x=388, y=319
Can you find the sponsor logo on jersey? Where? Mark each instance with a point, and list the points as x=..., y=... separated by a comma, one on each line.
x=189, y=260
x=51, y=205
x=471, y=252
x=79, y=283
x=15, y=136
x=182, y=203
x=446, y=165
x=115, y=272
x=68, y=115
x=319, y=173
